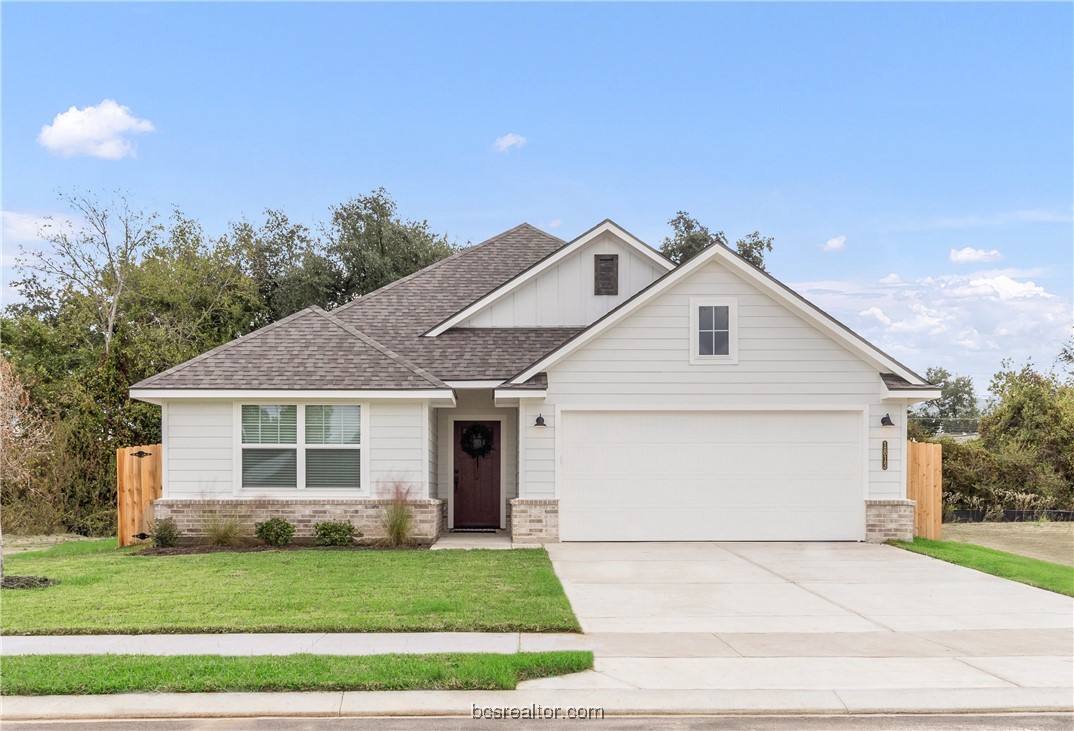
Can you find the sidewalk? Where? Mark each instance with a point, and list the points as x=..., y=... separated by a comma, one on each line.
x=463, y=703
x=313, y=643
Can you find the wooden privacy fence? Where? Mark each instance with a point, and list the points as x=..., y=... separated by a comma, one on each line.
x=137, y=486
x=924, y=483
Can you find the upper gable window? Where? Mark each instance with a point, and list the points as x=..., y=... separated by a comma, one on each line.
x=713, y=330
x=606, y=274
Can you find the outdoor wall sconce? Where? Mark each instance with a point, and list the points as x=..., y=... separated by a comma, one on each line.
x=540, y=420
x=886, y=421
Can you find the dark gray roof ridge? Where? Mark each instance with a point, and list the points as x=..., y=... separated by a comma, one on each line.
x=416, y=370
x=458, y=254
x=146, y=382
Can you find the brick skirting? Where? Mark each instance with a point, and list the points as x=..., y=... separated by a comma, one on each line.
x=889, y=520
x=364, y=514
x=534, y=521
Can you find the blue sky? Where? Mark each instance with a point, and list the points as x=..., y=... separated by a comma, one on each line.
x=871, y=140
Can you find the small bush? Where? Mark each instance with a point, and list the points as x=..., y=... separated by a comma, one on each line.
x=335, y=534
x=224, y=530
x=165, y=533
x=398, y=520
x=275, y=532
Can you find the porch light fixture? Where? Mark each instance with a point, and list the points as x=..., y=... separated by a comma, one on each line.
x=886, y=421
x=540, y=420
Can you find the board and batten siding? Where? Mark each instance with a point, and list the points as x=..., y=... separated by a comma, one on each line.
x=201, y=451
x=476, y=405
x=562, y=295
x=644, y=361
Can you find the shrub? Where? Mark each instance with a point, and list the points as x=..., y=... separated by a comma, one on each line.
x=398, y=520
x=165, y=533
x=1008, y=478
x=224, y=530
x=335, y=534
x=275, y=532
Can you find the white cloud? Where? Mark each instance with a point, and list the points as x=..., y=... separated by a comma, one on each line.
x=22, y=227
x=970, y=255
x=508, y=142
x=877, y=313
x=837, y=243
x=99, y=131
x=554, y=223
x=967, y=323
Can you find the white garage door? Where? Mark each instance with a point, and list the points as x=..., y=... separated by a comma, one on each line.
x=711, y=475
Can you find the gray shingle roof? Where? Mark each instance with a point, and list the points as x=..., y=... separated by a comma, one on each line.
x=308, y=350
x=375, y=342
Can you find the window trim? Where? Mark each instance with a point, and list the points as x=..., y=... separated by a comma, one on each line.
x=300, y=491
x=731, y=303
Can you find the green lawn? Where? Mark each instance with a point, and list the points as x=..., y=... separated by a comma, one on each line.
x=103, y=589
x=1042, y=574
x=97, y=674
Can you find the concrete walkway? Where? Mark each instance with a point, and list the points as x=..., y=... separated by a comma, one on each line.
x=314, y=643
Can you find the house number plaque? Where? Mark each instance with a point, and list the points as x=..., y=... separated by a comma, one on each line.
x=884, y=455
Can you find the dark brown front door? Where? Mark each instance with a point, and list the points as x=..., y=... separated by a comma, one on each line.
x=477, y=474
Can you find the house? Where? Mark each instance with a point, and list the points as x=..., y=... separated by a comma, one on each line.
x=578, y=391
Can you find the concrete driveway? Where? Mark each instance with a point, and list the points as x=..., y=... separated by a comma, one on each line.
x=843, y=618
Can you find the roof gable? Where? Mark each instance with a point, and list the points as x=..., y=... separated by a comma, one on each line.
x=529, y=274
x=764, y=282
x=411, y=305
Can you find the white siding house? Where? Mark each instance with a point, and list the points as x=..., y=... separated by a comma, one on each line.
x=609, y=396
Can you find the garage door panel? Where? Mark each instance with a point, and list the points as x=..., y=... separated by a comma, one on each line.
x=711, y=476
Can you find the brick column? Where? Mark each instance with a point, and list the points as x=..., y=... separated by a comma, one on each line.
x=534, y=521
x=889, y=520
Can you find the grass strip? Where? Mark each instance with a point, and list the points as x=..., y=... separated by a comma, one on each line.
x=102, y=589
x=1041, y=574
x=103, y=674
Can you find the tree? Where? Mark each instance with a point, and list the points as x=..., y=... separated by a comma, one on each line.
x=94, y=257
x=80, y=341
x=370, y=246
x=689, y=238
x=24, y=441
x=1032, y=412
x=956, y=410
x=752, y=248
x=288, y=264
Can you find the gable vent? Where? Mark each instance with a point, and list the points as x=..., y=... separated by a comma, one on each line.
x=606, y=274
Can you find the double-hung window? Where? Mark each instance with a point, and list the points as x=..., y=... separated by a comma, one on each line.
x=311, y=446
x=713, y=330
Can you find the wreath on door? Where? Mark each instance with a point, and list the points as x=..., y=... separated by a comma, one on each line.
x=476, y=440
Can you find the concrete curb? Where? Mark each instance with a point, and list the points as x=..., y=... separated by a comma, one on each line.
x=462, y=703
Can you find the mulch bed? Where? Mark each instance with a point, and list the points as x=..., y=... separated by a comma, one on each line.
x=27, y=582
x=190, y=550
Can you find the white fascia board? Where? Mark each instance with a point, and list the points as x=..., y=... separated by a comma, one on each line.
x=470, y=385
x=914, y=396
x=810, y=312
x=158, y=395
x=514, y=395
x=550, y=261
